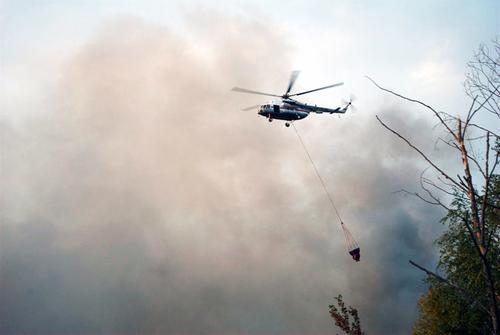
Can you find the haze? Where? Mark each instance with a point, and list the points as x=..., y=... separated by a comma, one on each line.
x=137, y=197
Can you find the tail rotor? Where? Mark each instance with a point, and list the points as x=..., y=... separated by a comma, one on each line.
x=348, y=104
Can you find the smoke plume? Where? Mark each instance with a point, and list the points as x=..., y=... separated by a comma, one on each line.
x=140, y=199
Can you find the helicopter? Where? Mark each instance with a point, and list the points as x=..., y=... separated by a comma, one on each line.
x=289, y=109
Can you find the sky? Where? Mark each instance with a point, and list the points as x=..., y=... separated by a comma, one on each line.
x=137, y=197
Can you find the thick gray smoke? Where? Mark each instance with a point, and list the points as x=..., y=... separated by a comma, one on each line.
x=139, y=199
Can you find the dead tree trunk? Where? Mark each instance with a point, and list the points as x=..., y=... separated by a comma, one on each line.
x=479, y=228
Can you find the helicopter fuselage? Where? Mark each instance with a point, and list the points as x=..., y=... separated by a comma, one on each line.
x=289, y=109
x=292, y=110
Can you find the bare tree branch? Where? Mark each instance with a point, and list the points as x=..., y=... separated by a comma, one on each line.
x=415, y=194
x=460, y=290
x=436, y=113
x=444, y=174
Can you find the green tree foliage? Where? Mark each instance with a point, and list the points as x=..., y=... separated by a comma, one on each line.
x=444, y=309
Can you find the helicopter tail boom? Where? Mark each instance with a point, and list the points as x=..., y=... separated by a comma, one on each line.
x=321, y=110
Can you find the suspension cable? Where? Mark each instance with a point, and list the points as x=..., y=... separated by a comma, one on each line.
x=318, y=175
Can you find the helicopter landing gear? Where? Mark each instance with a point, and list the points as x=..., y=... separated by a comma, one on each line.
x=287, y=124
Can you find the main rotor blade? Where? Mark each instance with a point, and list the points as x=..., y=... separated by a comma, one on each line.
x=317, y=89
x=293, y=78
x=251, y=107
x=244, y=90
